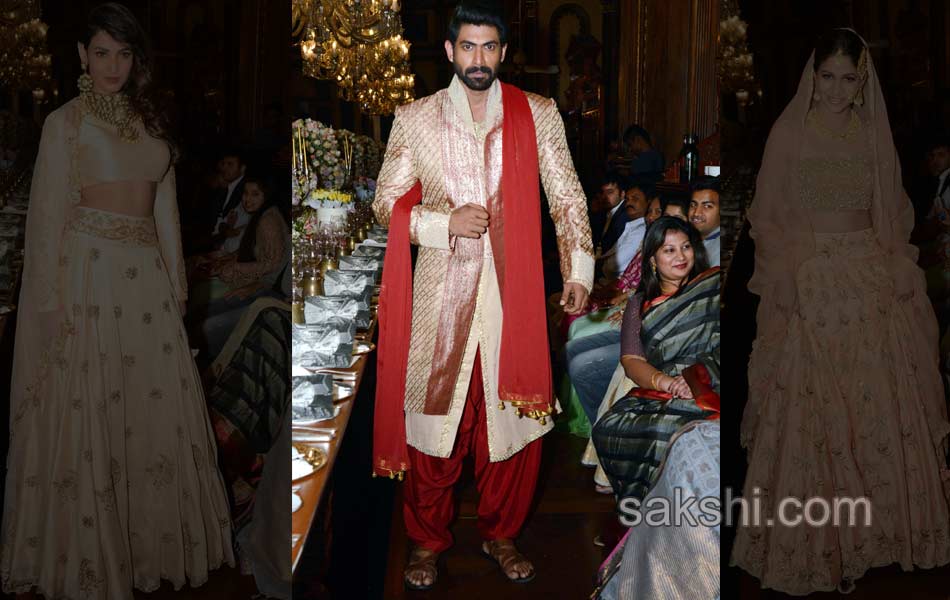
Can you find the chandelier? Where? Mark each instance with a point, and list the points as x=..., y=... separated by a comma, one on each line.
x=736, y=74
x=24, y=61
x=358, y=44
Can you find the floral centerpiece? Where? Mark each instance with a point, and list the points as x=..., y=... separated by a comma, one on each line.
x=322, y=163
x=365, y=189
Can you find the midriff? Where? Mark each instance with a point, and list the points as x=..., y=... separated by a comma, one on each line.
x=131, y=198
x=840, y=221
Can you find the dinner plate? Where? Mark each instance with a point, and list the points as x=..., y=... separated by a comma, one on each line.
x=301, y=468
x=306, y=460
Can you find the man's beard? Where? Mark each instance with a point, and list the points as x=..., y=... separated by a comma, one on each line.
x=475, y=84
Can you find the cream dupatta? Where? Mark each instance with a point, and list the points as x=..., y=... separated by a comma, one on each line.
x=55, y=191
x=784, y=239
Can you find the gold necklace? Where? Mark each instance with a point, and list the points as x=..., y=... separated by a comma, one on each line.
x=113, y=109
x=854, y=126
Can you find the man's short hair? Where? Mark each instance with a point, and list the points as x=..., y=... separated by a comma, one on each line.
x=614, y=177
x=644, y=185
x=938, y=140
x=676, y=200
x=705, y=182
x=478, y=12
x=236, y=152
x=635, y=131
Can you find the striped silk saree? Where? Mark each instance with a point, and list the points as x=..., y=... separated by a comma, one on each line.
x=677, y=332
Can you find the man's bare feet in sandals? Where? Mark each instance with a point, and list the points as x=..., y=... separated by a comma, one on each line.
x=421, y=570
x=513, y=564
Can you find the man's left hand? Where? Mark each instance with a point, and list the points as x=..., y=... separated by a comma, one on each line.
x=573, y=298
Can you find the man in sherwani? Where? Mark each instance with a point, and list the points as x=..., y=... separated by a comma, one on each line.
x=471, y=374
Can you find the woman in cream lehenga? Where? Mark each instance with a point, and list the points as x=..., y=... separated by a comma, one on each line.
x=845, y=398
x=112, y=478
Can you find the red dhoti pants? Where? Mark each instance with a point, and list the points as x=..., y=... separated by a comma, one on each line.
x=505, y=488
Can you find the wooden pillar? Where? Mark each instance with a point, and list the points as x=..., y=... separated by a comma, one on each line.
x=667, y=80
x=262, y=68
x=610, y=68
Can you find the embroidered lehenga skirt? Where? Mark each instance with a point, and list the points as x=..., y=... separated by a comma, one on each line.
x=112, y=476
x=840, y=415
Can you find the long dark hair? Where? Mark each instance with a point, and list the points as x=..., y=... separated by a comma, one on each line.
x=245, y=251
x=836, y=41
x=119, y=22
x=655, y=238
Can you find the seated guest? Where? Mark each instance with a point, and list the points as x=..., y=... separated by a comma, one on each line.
x=670, y=324
x=608, y=226
x=615, y=260
x=938, y=273
x=236, y=279
x=641, y=565
x=704, y=214
x=675, y=206
x=616, y=292
x=647, y=161
x=231, y=170
x=592, y=352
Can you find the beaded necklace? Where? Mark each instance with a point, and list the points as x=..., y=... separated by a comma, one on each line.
x=114, y=109
x=854, y=126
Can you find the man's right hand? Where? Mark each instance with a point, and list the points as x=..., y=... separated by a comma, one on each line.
x=469, y=221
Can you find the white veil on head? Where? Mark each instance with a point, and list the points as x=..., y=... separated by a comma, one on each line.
x=784, y=239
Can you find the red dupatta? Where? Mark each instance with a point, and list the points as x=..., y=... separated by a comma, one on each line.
x=524, y=378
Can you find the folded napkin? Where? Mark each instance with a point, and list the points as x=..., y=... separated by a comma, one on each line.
x=336, y=283
x=312, y=397
x=318, y=309
x=362, y=263
x=326, y=344
x=374, y=252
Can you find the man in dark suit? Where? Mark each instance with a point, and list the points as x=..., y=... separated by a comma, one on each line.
x=231, y=168
x=606, y=227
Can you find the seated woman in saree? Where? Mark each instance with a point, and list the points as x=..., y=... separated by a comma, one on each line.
x=644, y=563
x=593, y=344
x=670, y=325
x=228, y=284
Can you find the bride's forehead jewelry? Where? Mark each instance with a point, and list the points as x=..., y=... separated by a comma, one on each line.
x=863, y=63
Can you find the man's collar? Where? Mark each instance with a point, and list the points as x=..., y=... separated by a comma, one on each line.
x=464, y=109
x=235, y=183
x=713, y=235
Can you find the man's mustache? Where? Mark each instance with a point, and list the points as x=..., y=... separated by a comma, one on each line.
x=472, y=70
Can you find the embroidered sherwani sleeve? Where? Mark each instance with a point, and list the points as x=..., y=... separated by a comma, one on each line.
x=565, y=197
x=271, y=241
x=427, y=227
x=168, y=228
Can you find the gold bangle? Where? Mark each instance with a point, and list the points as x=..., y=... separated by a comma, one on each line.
x=653, y=382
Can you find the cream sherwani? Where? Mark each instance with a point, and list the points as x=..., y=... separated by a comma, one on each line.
x=456, y=299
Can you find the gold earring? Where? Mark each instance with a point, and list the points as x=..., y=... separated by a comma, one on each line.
x=653, y=265
x=85, y=80
x=859, y=98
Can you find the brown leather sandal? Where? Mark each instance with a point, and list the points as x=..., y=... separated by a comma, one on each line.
x=421, y=561
x=504, y=553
